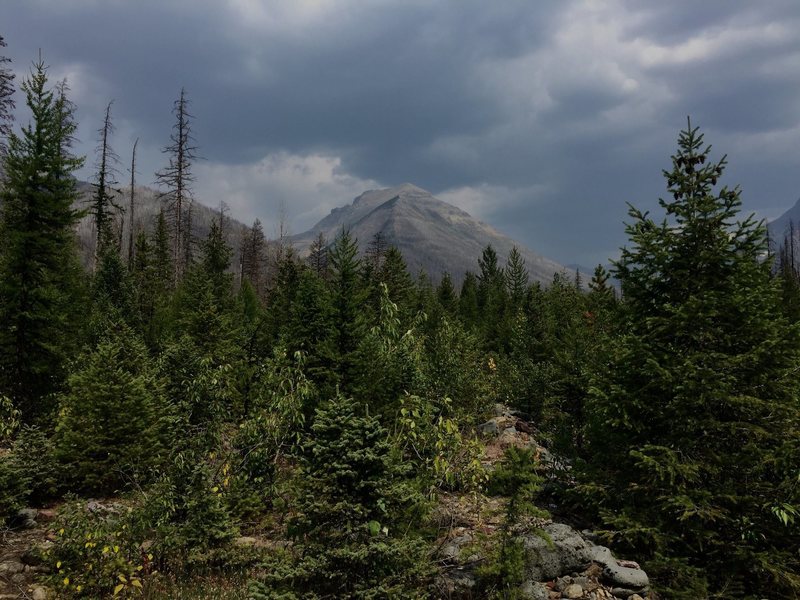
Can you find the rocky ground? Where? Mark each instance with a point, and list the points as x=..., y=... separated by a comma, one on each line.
x=19, y=567
x=562, y=563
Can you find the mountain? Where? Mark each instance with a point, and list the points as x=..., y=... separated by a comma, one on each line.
x=433, y=235
x=148, y=204
x=779, y=228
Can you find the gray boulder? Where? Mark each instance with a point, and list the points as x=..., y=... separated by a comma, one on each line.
x=565, y=552
x=626, y=578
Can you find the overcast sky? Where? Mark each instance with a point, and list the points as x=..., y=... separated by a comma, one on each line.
x=541, y=118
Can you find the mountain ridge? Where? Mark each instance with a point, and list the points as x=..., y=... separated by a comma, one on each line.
x=433, y=235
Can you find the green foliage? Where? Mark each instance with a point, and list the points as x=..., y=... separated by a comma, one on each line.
x=348, y=296
x=356, y=512
x=9, y=419
x=39, y=274
x=388, y=360
x=705, y=347
x=454, y=367
x=271, y=433
x=108, y=432
x=311, y=330
x=517, y=479
x=14, y=488
x=430, y=440
x=28, y=473
x=96, y=553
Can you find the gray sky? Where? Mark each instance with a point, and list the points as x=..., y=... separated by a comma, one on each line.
x=541, y=118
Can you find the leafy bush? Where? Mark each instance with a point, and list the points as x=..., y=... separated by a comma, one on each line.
x=96, y=553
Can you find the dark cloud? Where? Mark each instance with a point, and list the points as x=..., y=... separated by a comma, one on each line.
x=541, y=118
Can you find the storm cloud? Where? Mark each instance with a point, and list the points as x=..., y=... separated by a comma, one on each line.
x=541, y=118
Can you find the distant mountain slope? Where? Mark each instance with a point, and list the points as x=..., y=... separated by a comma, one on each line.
x=779, y=228
x=433, y=235
x=146, y=209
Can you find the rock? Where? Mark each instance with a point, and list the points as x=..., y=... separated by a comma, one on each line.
x=601, y=555
x=457, y=583
x=635, y=597
x=11, y=567
x=451, y=551
x=501, y=410
x=561, y=583
x=628, y=578
x=39, y=592
x=568, y=552
x=496, y=425
x=622, y=593
x=488, y=428
x=524, y=427
x=26, y=517
x=573, y=591
x=533, y=591
x=47, y=514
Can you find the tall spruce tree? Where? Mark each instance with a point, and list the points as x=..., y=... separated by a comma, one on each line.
x=516, y=277
x=695, y=416
x=348, y=297
x=6, y=104
x=253, y=258
x=39, y=272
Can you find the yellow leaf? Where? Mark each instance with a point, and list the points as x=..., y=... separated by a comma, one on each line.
x=118, y=589
x=136, y=583
x=66, y=580
x=58, y=565
x=116, y=548
x=61, y=531
x=215, y=489
x=122, y=578
x=149, y=557
x=106, y=549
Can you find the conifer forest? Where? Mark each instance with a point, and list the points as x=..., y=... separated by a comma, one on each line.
x=182, y=420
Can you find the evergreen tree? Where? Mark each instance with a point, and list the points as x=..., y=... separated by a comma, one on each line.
x=492, y=298
x=394, y=273
x=355, y=527
x=348, y=298
x=695, y=418
x=516, y=478
x=318, y=256
x=312, y=330
x=253, y=258
x=216, y=260
x=468, y=300
x=163, y=267
x=516, y=276
x=109, y=431
x=6, y=104
x=39, y=272
x=446, y=295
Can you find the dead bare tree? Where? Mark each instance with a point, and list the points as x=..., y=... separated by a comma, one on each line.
x=177, y=180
